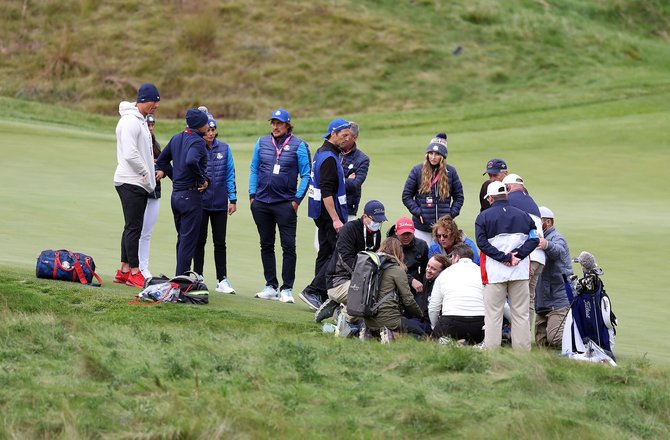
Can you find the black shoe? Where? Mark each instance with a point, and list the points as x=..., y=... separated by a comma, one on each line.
x=325, y=311
x=312, y=300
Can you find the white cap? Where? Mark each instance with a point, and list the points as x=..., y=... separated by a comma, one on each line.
x=512, y=178
x=546, y=212
x=495, y=188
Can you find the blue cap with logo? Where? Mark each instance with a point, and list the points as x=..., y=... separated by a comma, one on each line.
x=151, y=119
x=281, y=115
x=375, y=210
x=336, y=125
x=495, y=166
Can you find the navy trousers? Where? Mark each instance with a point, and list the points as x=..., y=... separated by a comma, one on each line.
x=187, y=212
x=269, y=217
x=327, y=247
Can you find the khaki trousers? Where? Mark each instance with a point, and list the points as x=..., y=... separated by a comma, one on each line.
x=535, y=272
x=339, y=294
x=549, y=328
x=494, y=300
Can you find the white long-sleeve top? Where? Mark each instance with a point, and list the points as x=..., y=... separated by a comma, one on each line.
x=458, y=291
x=134, y=149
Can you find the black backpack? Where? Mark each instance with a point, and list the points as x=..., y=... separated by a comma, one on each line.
x=362, y=295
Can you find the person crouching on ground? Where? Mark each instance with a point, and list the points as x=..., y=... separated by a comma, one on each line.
x=456, y=307
x=218, y=202
x=389, y=318
x=415, y=253
x=357, y=235
x=436, y=264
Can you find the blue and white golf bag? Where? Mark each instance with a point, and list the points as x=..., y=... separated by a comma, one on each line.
x=590, y=326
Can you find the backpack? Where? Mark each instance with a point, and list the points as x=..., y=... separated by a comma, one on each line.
x=362, y=295
x=187, y=289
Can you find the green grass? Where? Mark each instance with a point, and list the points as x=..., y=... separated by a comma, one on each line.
x=320, y=58
x=595, y=165
x=572, y=94
x=81, y=362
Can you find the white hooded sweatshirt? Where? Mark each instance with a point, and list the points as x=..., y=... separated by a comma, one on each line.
x=134, y=150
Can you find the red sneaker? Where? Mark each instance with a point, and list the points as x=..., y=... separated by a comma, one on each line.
x=136, y=280
x=121, y=277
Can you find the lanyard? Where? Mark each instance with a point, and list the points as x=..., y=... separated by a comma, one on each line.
x=365, y=238
x=435, y=179
x=280, y=149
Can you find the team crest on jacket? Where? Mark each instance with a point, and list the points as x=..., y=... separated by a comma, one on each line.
x=286, y=148
x=219, y=156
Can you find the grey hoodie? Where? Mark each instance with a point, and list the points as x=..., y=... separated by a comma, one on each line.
x=134, y=151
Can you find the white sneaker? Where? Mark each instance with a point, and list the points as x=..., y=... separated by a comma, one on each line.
x=224, y=287
x=386, y=335
x=268, y=292
x=286, y=296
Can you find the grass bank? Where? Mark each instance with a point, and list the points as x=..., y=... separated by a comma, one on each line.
x=80, y=362
x=321, y=58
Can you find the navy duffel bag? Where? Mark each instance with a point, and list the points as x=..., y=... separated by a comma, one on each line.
x=67, y=266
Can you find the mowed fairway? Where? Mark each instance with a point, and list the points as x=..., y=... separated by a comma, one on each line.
x=600, y=168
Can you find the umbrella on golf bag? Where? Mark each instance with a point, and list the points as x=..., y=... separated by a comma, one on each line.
x=590, y=321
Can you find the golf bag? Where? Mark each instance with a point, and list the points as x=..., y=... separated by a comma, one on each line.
x=188, y=289
x=590, y=326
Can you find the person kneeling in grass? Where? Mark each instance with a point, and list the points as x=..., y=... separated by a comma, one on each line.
x=456, y=307
x=389, y=319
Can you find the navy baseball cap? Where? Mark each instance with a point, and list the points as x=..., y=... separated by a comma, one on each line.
x=336, y=125
x=495, y=166
x=151, y=119
x=375, y=210
x=281, y=115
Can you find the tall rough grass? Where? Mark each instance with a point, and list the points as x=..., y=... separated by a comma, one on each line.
x=80, y=362
x=243, y=58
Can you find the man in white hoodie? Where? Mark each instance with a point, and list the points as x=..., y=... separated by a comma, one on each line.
x=134, y=177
